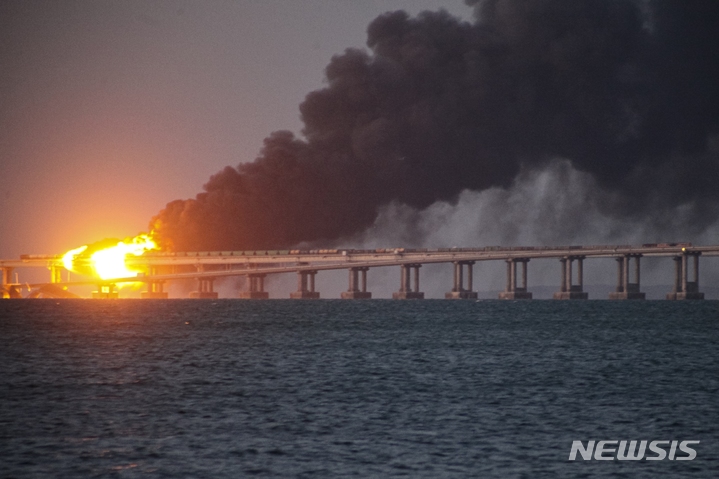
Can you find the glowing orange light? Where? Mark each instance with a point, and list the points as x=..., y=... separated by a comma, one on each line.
x=69, y=257
x=109, y=262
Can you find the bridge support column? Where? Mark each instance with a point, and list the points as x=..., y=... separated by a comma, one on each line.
x=154, y=288
x=626, y=289
x=406, y=291
x=683, y=288
x=513, y=291
x=155, y=291
x=205, y=290
x=205, y=286
x=458, y=290
x=569, y=290
x=7, y=288
x=305, y=286
x=105, y=291
x=357, y=285
x=61, y=291
x=56, y=274
x=6, y=275
x=256, y=283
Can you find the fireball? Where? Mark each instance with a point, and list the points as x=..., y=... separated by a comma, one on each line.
x=69, y=257
x=106, y=259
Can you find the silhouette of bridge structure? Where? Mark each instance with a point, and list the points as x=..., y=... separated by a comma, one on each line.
x=207, y=267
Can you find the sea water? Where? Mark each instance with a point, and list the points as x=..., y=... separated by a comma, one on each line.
x=331, y=388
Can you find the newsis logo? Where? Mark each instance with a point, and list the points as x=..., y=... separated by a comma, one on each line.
x=628, y=451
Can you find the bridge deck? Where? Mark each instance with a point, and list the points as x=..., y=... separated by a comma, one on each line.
x=268, y=262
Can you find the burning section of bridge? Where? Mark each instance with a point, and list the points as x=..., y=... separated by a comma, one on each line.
x=106, y=259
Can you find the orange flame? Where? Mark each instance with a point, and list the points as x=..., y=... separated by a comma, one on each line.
x=109, y=262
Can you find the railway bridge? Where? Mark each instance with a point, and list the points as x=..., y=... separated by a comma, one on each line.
x=205, y=268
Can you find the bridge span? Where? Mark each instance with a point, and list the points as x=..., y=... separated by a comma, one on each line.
x=159, y=268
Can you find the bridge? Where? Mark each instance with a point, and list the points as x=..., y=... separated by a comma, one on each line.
x=207, y=267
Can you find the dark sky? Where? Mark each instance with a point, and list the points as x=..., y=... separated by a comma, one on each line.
x=622, y=90
x=110, y=109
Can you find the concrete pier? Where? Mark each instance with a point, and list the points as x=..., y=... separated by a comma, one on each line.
x=154, y=288
x=56, y=274
x=569, y=290
x=7, y=288
x=205, y=286
x=683, y=288
x=154, y=291
x=357, y=285
x=256, y=287
x=305, y=286
x=205, y=290
x=458, y=290
x=105, y=291
x=512, y=291
x=6, y=275
x=408, y=290
x=625, y=288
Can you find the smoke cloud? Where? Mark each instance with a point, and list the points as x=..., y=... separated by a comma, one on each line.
x=622, y=91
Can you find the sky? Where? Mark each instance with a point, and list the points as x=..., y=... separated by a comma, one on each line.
x=111, y=109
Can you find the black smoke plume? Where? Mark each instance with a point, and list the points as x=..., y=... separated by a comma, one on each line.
x=627, y=91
